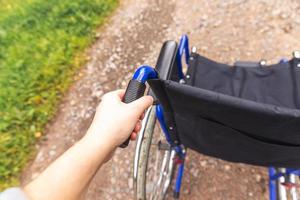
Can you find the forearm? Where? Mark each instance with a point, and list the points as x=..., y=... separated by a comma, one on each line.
x=68, y=177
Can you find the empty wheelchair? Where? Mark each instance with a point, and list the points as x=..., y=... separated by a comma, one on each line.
x=247, y=113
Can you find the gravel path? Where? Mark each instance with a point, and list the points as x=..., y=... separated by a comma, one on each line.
x=222, y=30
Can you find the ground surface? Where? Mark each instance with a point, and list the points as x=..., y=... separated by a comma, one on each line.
x=223, y=30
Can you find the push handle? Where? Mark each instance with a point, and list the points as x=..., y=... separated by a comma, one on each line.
x=134, y=91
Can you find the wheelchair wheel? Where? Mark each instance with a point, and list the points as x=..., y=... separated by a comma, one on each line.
x=285, y=188
x=155, y=165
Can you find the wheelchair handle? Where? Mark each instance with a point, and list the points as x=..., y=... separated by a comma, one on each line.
x=136, y=87
x=134, y=91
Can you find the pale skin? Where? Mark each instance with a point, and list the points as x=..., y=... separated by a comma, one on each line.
x=68, y=177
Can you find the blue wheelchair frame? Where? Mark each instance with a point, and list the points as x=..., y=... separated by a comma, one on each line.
x=144, y=73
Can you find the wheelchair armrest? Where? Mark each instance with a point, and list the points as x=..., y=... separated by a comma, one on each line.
x=165, y=62
x=165, y=65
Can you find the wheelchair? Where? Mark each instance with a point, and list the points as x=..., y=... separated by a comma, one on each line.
x=247, y=113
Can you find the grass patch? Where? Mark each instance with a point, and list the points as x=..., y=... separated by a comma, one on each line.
x=39, y=41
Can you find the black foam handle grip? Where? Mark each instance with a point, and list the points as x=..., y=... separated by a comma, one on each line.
x=134, y=91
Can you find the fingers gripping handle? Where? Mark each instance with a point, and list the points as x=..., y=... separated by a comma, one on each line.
x=134, y=91
x=136, y=87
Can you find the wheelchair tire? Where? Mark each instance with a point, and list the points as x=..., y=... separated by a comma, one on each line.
x=145, y=164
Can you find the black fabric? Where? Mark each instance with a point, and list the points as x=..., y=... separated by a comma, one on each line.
x=160, y=91
x=276, y=84
x=239, y=114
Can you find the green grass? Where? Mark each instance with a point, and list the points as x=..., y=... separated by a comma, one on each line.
x=41, y=45
x=8, y=6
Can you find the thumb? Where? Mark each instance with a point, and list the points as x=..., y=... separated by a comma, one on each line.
x=141, y=104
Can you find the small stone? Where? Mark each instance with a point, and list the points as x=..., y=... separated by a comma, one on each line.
x=72, y=102
x=194, y=172
x=203, y=163
x=97, y=35
x=88, y=115
x=118, y=49
x=258, y=178
x=97, y=94
x=52, y=153
x=287, y=28
x=204, y=17
x=204, y=48
x=82, y=114
x=297, y=20
x=283, y=15
x=275, y=12
x=40, y=157
x=211, y=161
x=113, y=180
x=88, y=58
x=217, y=23
x=141, y=46
x=227, y=167
x=38, y=134
x=130, y=183
x=250, y=194
x=186, y=191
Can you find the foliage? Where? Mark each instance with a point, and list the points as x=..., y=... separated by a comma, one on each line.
x=41, y=45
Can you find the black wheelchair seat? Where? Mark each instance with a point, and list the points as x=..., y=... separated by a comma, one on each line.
x=236, y=113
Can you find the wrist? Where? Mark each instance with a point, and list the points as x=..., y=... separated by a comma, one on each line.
x=93, y=139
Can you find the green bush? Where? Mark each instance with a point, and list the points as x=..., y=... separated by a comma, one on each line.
x=40, y=45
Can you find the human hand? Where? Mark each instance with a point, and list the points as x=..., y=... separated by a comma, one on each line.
x=115, y=121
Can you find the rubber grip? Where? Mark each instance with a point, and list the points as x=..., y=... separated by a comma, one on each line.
x=134, y=91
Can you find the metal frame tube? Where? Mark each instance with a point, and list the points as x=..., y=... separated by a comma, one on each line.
x=183, y=48
x=272, y=184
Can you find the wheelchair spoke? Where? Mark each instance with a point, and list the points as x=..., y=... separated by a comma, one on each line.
x=294, y=194
x=170, y=173
x=282, y=193
x=160, y=167
x=162, y=173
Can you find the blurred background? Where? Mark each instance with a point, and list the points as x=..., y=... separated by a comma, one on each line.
x=57, y=59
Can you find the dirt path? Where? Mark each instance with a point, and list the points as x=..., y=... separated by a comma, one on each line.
x=222, y=30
